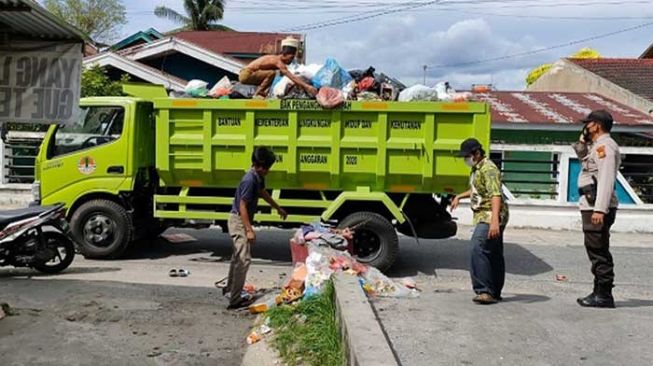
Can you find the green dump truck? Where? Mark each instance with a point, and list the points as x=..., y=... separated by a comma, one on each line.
x=134, y=166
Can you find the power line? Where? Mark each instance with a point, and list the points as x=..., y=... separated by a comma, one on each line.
x=540, y=50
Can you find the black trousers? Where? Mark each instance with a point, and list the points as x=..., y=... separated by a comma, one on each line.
x=597, y=244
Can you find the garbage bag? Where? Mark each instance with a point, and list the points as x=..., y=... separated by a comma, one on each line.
x=242, y=91
x=418, y=92
x=376, y=283
x=196, y=88
x=282, y=87
x=221, y=88
x=330, y=97
x=367, y=84
x=307, y=71
x=358, y=75
x=331, y=75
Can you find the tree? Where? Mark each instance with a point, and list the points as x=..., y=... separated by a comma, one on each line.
x=95, y=82
x=99, y=19
x=200, y=14
x=537, y=72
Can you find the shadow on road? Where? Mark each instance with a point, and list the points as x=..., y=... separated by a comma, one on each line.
x=432, y=255
x=27, y=272
x=634, y=303
x=525, y=298
x=271, y=247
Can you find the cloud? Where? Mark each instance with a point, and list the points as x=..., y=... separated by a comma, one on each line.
x=401, y=46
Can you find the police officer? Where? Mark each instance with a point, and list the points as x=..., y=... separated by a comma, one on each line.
x=600, y=159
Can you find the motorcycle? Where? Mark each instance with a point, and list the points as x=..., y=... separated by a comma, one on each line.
x=25, y=243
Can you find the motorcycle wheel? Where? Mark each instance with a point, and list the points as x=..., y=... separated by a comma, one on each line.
x=63, y=246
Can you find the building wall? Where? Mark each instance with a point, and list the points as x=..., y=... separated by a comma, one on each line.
x=188, y=68
x=567, y=77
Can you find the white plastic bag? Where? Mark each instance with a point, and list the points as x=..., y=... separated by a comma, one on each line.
x=197, y=88
x=418, y=92
x=281, y=88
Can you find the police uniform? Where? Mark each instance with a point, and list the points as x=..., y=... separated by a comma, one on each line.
x=600, y=163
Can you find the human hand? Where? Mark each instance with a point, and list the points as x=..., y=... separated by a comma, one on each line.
x=251, y=237
x=454, y=203
x=312, y=90
x=597, y=218
x=282, y=213
x=495, y=231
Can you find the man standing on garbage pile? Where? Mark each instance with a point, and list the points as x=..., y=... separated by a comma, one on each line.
x=600, y=161
x=261, y=72
x=245, y=204
x=487, y=268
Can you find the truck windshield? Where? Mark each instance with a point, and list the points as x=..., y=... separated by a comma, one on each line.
x=97, y=125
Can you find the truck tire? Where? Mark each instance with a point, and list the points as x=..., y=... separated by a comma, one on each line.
x=102, y=228
x=375, y=239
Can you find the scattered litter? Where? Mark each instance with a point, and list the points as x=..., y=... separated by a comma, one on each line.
x=253, y=337
x=561, y=278
x=265, y=329
x=178, y=238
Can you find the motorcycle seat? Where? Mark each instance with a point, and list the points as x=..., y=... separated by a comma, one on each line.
x=7, y=217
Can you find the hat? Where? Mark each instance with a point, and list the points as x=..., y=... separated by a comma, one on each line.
x=600, y=116
x=469, y=146
x=290, y=42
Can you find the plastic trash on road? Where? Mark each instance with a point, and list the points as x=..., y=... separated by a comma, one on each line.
x=376, y=283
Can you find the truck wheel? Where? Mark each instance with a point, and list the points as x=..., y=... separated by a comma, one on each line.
x=375, y=239
x=102, y=228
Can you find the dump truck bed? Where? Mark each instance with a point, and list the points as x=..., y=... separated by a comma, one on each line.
x=387, y=146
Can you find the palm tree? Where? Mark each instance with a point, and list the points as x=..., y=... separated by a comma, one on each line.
x=200, y=14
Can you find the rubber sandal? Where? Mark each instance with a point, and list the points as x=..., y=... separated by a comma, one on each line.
x=183, y=273
x=222, y=283
x=173, y=273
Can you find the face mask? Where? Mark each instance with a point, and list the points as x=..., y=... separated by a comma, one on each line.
x=469, y=161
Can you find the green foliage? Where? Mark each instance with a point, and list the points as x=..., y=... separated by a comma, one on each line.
x=99, y=19
x=308, y=333
x=537, y=72
x=95, y=82
x=200, y=14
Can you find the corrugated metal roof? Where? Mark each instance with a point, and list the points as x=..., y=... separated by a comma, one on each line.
x=559, y=109
x=27, y=18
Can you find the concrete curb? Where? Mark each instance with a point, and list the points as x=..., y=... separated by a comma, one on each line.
x=364, y=342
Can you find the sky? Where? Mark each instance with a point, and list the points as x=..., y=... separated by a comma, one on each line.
x=458, y=40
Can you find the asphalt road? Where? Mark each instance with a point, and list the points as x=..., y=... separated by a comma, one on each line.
x=539, y=322
x=130, y=312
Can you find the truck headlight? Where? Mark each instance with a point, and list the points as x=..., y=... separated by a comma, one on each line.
x=36, y=191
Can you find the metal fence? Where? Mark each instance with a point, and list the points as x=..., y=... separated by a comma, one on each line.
x=529, y=174
x=19, y=151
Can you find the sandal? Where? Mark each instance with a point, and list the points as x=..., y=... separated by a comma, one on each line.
x=222, y=283
x=183, y=273
x=173, y=273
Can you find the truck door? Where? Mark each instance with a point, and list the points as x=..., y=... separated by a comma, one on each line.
x=89, y=155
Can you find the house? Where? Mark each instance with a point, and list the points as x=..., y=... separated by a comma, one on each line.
x=531, y=136
x=625, y=80
x=174, y=59
x=648, y=53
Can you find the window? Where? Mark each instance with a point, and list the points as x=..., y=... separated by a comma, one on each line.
x=96, y=126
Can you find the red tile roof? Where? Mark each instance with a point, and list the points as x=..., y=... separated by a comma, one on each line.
x=236, y=42
x=563, y=109
x=633, y=74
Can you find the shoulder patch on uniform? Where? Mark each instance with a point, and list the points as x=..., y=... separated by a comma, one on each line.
x=600, y=151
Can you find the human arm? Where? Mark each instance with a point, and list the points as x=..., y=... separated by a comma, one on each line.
x=244, y=216
x=493, y=188
x=266, y=197
x=456, y=200
x=495, y=229
x=296, y=80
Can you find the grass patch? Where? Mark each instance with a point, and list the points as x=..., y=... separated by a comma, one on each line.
x=307, y=334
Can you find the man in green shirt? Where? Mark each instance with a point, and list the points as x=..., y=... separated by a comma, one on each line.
x=487, y=266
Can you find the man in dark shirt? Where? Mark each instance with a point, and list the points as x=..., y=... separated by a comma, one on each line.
x=251, y=187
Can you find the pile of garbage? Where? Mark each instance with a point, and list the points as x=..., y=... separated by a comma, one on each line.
x=335, y=84
x=328, y=251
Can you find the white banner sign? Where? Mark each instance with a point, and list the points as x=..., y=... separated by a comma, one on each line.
x=40, y=82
